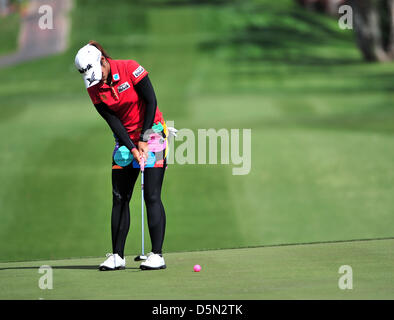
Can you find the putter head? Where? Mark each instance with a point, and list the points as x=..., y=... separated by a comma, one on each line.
x=140, y=258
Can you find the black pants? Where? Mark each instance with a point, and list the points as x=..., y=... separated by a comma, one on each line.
x=123, y=181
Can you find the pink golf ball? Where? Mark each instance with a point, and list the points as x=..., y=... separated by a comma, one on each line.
x=197, y=268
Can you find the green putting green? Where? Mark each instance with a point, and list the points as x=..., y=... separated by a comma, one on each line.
x=279, y=272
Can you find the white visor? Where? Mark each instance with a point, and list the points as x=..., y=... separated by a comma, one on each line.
x=88, y=64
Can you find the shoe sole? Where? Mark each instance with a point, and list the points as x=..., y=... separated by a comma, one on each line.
x=151, y=268
x=110, y=269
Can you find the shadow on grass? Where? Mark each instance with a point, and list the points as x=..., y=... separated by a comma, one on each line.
x=291, y=36
x=81, y=267
x=183, y=3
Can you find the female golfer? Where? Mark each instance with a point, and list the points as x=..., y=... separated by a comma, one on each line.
x=123, y=95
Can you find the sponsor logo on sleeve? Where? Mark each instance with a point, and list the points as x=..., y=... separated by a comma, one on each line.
x=137, y=72
x=123, y=87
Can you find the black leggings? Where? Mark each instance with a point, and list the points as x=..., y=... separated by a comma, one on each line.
x=123, y=181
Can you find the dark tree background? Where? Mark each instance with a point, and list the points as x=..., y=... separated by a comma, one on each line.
x=373, y=24
x=327, y=6
x=374, y=28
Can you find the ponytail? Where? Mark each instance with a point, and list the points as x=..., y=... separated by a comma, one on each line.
x=98, y=46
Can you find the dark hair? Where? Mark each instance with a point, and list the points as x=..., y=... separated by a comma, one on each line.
x=98, y=46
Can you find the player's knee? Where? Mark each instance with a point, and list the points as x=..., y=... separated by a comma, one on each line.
x=119, y=198
x=151, y=197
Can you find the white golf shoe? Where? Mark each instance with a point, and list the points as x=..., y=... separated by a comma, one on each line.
x=154, y=262
x=113, y=262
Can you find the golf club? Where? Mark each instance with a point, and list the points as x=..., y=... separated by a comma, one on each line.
x=142, y=256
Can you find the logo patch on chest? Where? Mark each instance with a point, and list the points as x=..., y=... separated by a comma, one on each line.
x=123, y=87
